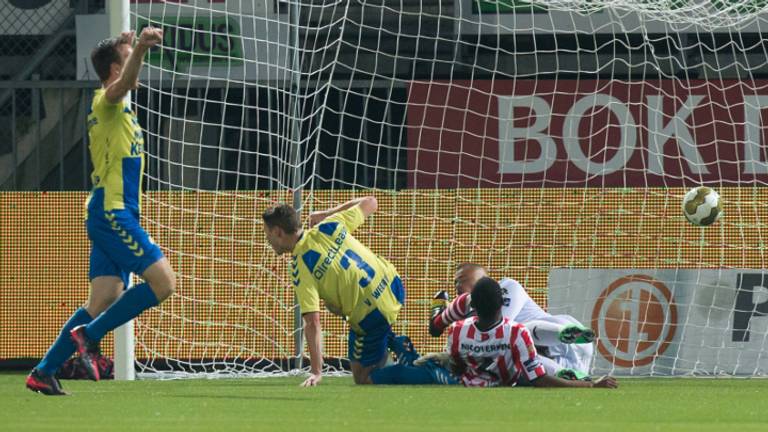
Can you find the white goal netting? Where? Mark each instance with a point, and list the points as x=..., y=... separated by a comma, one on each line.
x=550, y=141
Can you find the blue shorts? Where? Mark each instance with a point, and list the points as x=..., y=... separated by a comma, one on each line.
x=370, y=348
x=119, y=245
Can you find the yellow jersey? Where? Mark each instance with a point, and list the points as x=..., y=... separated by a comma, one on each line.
x=330, y=264
x=117, y=152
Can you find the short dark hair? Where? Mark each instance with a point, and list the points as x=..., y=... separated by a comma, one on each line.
x=104, y=54
x=486, y=298
x=283, y=216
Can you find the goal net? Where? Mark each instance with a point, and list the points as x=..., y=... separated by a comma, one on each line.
x=551, y=142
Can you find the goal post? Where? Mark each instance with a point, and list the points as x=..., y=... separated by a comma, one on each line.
x=551, y=142
x=118, y=13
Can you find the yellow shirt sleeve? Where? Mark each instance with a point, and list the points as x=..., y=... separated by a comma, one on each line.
x=304, y=286
x=351, y=218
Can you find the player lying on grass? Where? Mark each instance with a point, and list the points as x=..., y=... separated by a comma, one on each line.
x=489, y=350
x=566, y=342
x=119, y=245
x=330, y=264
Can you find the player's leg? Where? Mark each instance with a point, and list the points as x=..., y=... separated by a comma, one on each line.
x=367, y=352
x=402, y=347
x=578, y=357
x=107, y=283
x=129, y=246
x=551, y=330
x=573, y=332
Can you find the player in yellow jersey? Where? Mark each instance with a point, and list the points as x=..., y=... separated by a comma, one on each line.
x=119, y=245
x=329, y=263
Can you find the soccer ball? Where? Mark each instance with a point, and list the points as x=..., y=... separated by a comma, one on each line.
x=702, y=206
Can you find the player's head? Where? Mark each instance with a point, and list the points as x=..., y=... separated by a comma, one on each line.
x=281, y=224
x=109, y=56
x=467, y=274
x=487, y=299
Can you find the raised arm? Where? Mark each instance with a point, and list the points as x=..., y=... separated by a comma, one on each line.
x=313, y=333
x=368, y=205
x=150, y=36
x=441, y=318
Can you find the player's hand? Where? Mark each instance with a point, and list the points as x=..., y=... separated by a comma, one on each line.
x=313, y=380
x=128, y=37
x=439, y=303
x=606, y=382
x=150, y=36
x=316, y=217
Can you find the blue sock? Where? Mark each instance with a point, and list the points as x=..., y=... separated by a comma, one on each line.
x=62, y=347
x=402, y=374
x=131, y=304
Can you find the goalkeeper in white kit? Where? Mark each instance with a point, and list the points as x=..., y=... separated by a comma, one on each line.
x=490, y=350
x=566, y=344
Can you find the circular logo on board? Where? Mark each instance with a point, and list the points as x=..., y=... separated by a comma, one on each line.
x=636, y=319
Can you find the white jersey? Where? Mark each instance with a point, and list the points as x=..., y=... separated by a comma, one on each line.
x=519, y=307
x=496, y=357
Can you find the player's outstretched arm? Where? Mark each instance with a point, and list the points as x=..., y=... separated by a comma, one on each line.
x=553, y=381
x=129, y=75
x=368, y=205
x=457, y=310
x=313, y=333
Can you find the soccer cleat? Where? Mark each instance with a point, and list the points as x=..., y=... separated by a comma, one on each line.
x=403, y=348
x=88, y=351
x=440, y=375
x=573, y=375
x=576, y=334
x=39, y=382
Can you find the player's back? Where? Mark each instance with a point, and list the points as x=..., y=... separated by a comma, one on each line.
x=494, y=357
x=117, y=151
x=518, y=305
x=345, y=273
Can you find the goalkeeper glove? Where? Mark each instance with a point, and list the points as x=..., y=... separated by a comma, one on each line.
x=439, y=303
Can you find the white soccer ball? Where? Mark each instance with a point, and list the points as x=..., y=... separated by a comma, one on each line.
x=702, y=206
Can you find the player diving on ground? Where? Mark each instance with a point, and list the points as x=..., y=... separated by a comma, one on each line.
x=490, y=350
x=119, y=245
x=329, y=263
x=567, y=344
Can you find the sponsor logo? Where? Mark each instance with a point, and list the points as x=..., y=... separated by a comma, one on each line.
x=747, y=303
x=195, y=41
x=586, y=133
x=636, y=319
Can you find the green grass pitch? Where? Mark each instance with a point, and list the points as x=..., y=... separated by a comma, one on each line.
x=279, y=404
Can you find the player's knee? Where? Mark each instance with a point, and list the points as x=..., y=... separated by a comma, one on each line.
x=360, y=374
x=97, y=306
x=362, y=378
x=161, y=279
x=165, y=286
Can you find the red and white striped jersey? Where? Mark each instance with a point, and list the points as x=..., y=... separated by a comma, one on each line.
x=496, y=357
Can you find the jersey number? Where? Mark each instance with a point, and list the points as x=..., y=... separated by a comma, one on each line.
x=362, y=265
